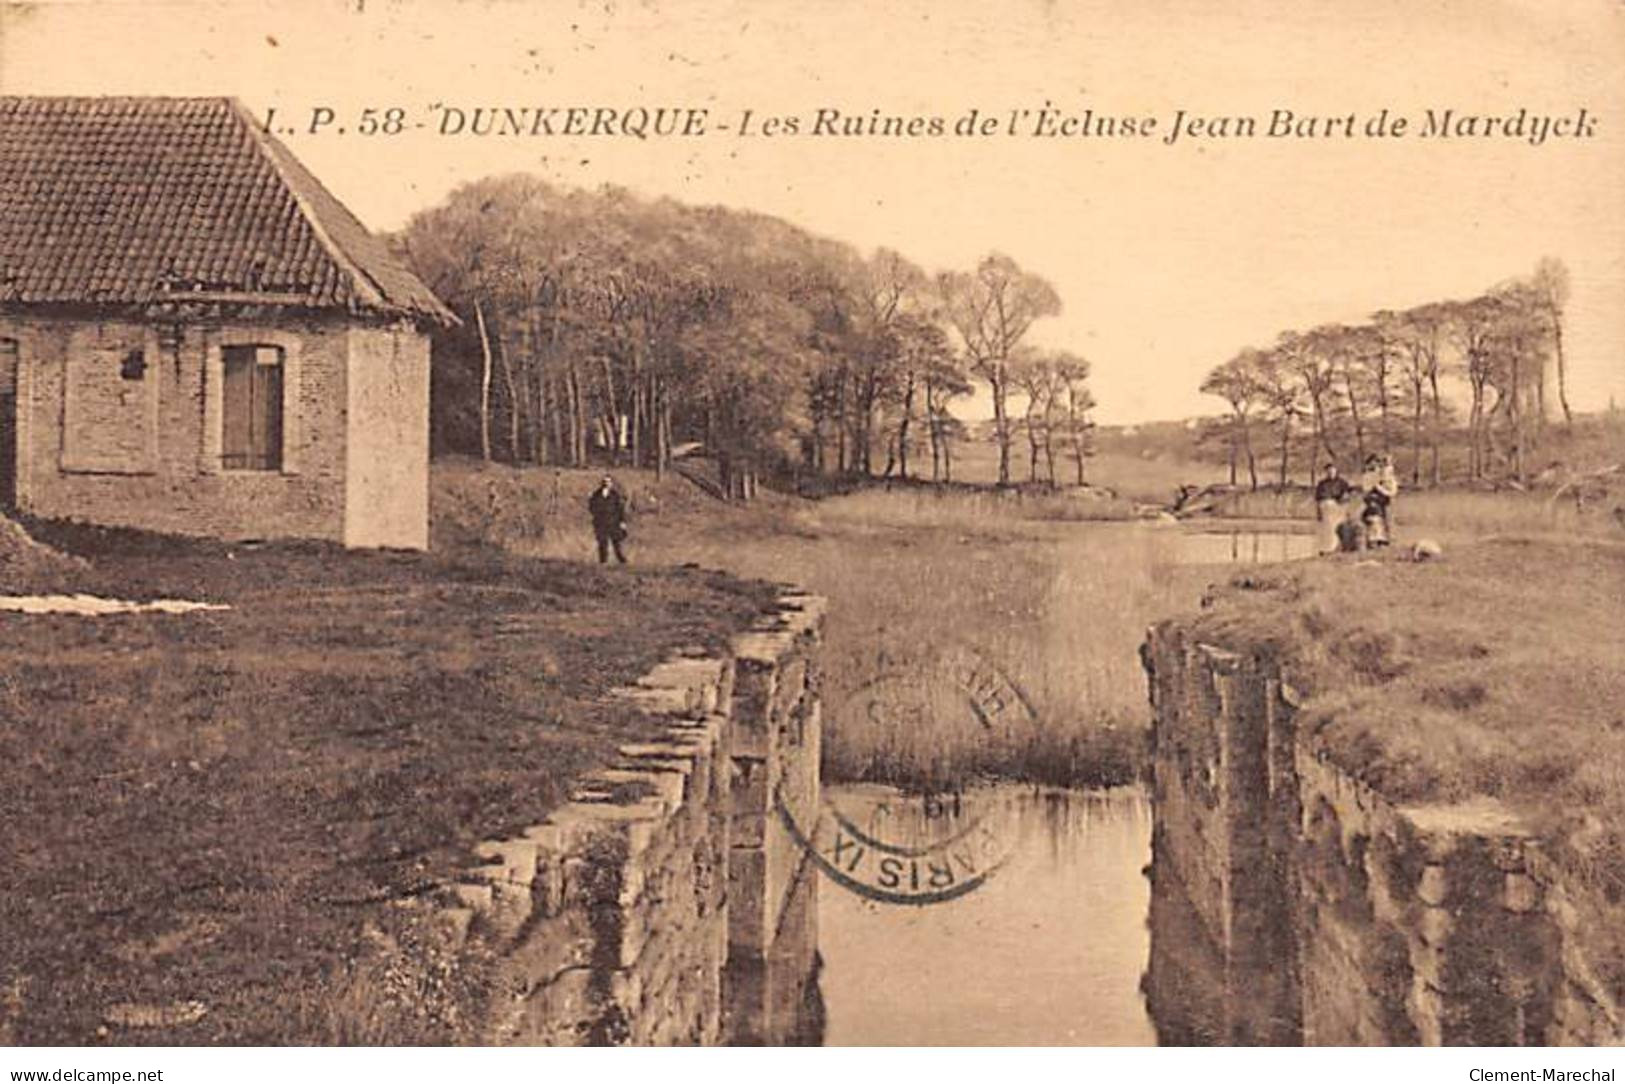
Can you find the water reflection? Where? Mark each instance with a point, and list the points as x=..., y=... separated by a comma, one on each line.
x=775, y=999
x=1243, y=547
x=1049, y=951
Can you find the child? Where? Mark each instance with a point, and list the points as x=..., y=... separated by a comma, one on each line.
x=1374, y=517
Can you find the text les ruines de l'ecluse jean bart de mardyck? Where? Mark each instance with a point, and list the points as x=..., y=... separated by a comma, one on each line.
x=1536, y=127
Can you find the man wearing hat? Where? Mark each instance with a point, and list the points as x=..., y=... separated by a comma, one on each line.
x=608, y=510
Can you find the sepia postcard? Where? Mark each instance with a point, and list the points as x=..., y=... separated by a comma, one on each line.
x=1068, y=523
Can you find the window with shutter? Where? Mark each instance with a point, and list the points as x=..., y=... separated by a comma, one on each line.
x=251, y=430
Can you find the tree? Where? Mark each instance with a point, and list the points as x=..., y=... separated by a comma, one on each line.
x=1310, y=357
x=1281, y=392
x=603, y=323
x=1471, y=324
x=1516, y=343
x=922, y=351
x=1033, y=373
x=1373, y=381
x=1550, y=286
x=944, y=381
x=1072, y=376
x=1236, y=381
x=886, y=288
x=1416, y=335
x=992, y=309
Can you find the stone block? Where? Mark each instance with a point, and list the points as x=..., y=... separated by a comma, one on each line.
x=626, y=990
x=1425, y=1007
x=662, y=751
x=562, y=1012
x=753, y=732
x=801, y=613
x=633, y=936
x=748, y=829
x=751, y=787
x=452, y=924
x=660, y=701
x=509, y=860
x=791, y=684
x=748, y=920
x=549, y=949
x=682, y=672
x=1435, y=925
x=663, y=783
x=1521, y=893
x=1432, y=888
x=1508, y=853
x=475, y=897
x=1562, y=910
x=511, y=907
x=547, y=890
x=1427, y=964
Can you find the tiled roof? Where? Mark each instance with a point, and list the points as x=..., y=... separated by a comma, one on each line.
x=122, y=201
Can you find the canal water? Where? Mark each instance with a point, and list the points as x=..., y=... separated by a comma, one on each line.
x=1049, y=950
x=1053, y=948
x=1243, y=547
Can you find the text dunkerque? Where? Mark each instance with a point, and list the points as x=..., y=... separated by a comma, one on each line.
x=1045, y=121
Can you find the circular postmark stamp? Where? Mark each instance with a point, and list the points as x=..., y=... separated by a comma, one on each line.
x=925, y=844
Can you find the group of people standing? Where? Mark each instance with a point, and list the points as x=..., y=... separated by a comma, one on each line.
x=1345, y=526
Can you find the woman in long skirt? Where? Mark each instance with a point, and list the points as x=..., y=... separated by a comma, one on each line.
x=1330, y=493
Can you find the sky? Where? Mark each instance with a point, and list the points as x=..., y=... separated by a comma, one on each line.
x=1168, y=257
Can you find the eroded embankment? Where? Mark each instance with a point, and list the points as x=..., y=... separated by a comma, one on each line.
x=1351, y=842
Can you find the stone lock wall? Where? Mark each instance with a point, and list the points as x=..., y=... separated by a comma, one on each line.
x=662, y=904
x=1323, y=913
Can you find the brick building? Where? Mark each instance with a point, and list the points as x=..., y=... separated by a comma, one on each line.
x=197, y=337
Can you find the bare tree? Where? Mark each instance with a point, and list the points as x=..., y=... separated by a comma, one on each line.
x=1281, y=392
x=1471, y=324
x=944, y=381
x=1416, y=335
x=922, y=350
x=1032, y=372
x=1550, y=284
x=1072, y=376
x=1517, y=342
x=992, y=309
x=1309, y=357
x=1237, y=382
x=886, y=288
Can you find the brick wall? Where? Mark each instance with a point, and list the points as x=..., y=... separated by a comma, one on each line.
x=617, y=920
x=1322, y=912
x=387, y=468
x=147, y=453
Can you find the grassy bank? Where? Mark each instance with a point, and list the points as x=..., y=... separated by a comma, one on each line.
x=236, y=809
x=1144, y=474
x=1498, y=671
x=914, y=577
x=1454, y=514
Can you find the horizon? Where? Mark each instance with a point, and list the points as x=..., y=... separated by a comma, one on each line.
x=1168, y=259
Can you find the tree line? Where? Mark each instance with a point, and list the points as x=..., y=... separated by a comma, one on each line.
x=602, y=325
x=1393, y=384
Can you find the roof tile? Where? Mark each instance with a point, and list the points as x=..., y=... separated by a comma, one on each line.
x=122, y=200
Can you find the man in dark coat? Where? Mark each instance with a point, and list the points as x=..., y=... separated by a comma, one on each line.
x=608, y=510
